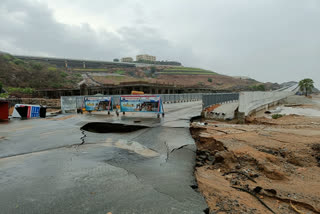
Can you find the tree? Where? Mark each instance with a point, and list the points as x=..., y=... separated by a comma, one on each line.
x=209, y=80
x=258, y=87
x=261, y=88
x=306, y=86
x=116, y=60
x=153, y=69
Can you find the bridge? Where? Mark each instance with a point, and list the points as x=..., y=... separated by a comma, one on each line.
x=141, y=164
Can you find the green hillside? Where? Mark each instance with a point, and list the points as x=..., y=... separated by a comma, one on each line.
x=16, y=73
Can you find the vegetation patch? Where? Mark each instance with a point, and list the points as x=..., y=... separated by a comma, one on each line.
x=20, y=76
x=20, y=90
x=276, y=116
x=258, y=87
x=120, y=72
x=4, y=95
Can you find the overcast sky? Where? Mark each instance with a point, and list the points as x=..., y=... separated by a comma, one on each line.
x=268, y=40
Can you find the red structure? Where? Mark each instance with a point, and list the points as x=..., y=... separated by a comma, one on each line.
x=4, y=110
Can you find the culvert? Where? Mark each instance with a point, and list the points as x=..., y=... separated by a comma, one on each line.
x=101, y=127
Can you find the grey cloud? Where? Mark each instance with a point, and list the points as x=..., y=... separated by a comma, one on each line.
x=33, y=29
x=269, y=40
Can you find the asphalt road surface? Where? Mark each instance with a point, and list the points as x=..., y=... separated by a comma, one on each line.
x=44, y=169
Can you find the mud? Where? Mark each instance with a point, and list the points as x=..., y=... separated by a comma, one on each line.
x=267, y=166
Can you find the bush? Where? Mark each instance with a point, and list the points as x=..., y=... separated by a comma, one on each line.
x=258, y=87
x=276, y=116
x=7, y=57
x=209, y=80
x=36, y=66
x=63, y=74
x=18, y=61
x=4, y=95
x=52, y=69
x=120, y=72
x=20, y=90
x=56, y=85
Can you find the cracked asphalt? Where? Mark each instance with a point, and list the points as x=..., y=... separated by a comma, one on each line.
x=43, y=169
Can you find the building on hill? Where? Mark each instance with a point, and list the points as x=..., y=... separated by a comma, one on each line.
x=145, y=57
x=127, y=59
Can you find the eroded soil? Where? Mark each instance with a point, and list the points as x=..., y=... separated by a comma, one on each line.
x=266, y=166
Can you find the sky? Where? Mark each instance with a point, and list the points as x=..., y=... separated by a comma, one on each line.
x=267, y=40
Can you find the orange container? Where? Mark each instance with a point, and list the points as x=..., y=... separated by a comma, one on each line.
x=137, y=92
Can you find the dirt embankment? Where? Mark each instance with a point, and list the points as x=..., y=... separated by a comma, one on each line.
x=271, y=166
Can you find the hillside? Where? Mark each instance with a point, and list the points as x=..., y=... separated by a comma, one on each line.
x=183, y=76
x=19, y=73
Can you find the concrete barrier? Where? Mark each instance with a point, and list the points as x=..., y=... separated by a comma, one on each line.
x=250, y=102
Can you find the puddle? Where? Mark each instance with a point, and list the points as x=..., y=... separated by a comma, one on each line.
x=101, y=127
x=133, y=147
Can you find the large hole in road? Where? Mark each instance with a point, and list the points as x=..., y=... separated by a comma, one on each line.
x=100, y=127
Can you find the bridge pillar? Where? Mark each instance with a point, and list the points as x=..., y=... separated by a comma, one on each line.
x=83, y=89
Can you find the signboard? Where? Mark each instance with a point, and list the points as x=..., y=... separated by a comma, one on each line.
x=98, y=103
x=26, y=111
x=141, y=103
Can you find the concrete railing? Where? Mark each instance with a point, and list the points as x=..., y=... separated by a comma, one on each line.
x=212, y=99
x=250, y=102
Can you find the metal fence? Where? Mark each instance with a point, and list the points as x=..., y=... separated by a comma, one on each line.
x=72, y=103
x=212, y=99
x=14, y=101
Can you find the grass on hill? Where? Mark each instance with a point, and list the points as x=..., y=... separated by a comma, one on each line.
x=20, y=75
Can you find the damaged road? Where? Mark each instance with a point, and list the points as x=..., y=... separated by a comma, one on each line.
x=44, y=169
x=266, y=166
